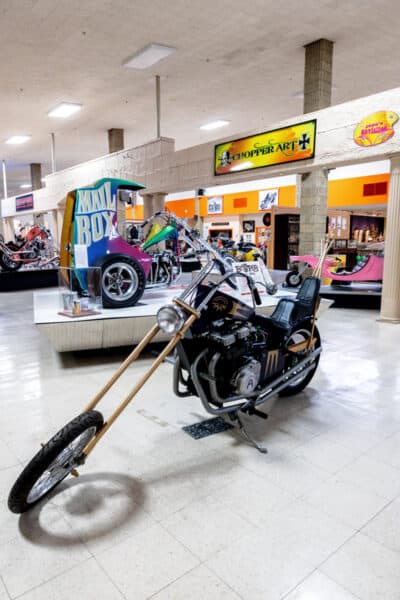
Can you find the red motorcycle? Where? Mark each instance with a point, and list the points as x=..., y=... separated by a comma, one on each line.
x=37, y=248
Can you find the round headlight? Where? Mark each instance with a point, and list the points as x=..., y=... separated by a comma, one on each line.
x=170, y=319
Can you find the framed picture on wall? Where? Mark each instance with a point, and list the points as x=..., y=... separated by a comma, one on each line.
x=267, y=199
x=214, y=205
x=249, y=226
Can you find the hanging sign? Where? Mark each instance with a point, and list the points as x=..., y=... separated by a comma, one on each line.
x=376, y=128
x=287, y=144
x=24, y=202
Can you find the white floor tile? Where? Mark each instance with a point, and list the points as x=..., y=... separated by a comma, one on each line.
x=147, y=562
x=281, y=554
x=385, y=527
x=27, y=563
x=86, y=581
x=198, y=584
x=319, y=587
x=206, y=527
x=388, y=451
x=346, y=502
x=365, y=568
x=101, y=509
x=372, y=476
x=253, y=497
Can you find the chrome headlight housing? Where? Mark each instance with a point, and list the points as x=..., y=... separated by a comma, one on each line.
x=170, y=318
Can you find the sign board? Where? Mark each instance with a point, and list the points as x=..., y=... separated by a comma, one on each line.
x=376, y=128
x=214, y=205
x=279, y=146
x=24, y=202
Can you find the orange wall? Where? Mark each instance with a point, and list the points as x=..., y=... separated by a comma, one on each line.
x=349, y=192
x=341, y=193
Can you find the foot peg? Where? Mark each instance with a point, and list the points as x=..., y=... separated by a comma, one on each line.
x=251, y=410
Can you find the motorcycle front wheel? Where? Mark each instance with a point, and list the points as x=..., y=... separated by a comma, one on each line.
x=54, y=461
x=301, y=334
x=8, y=264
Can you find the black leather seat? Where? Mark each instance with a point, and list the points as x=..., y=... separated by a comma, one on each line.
x=290, y=311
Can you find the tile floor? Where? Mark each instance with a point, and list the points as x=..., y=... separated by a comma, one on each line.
x=156, y=514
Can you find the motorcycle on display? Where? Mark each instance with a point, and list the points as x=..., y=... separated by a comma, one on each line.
x=240, y=251
x=36, y=249
x=224, y=352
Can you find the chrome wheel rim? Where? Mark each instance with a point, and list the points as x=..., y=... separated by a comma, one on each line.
x=9, y=261
x=61, y=466
x=120, y=281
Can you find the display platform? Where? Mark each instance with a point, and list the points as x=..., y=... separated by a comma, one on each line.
x=12, y=281
x=112, y=327
x=355, y=295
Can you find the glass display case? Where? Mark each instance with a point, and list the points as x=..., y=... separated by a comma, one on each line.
x=79, y=291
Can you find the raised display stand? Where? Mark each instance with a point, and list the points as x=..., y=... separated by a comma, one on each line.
x=113, y=327
x=12, y=281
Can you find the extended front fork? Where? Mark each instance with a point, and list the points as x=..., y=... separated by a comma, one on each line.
x=192, y=316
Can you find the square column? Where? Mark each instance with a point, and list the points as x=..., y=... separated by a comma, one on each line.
x=115, y=140
x=390, y=306
x=318, y=75
x=314, y=186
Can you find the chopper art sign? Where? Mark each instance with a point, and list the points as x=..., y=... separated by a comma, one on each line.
x=287, y=144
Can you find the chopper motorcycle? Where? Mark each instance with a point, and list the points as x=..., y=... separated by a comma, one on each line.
x=224, y=352
x=35, y=249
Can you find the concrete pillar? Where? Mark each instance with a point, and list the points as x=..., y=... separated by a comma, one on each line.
x=314, y=190
x=314, y=186
x=147, y=206
x=115, y=140
x=36, y=176
x=158, y=201
x=390, y=306
x=318, y=75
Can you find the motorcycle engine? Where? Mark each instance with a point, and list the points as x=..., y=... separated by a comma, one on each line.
x=236, y=357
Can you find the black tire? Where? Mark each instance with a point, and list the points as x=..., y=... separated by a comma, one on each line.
x=293, y=279
x=122, y=282
x=7, y=264
x=301, y=383
x=23, y=494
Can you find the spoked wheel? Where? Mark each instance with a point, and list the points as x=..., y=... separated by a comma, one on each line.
x=122, y=282
x=293, y=279
x=298, y=384
x=8, y=264
x=54, y=461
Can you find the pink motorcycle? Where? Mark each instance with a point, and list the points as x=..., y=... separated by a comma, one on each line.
x=370, y=268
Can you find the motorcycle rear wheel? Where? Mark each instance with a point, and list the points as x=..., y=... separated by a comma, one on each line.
x=302, y=333
x=293, y=279
x=53, y=462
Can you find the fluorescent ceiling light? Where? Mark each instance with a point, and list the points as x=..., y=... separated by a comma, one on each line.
x=148, y=56
x=215, y=124
x=25, y=186
x=64, y=110
x=18, y=139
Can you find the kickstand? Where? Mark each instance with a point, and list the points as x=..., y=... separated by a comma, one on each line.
x=245, y=434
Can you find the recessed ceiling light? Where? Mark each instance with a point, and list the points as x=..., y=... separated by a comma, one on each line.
x=64, y=110
x=214, y=124
x=18, y=139
x=148, y=56
x=25, y=186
